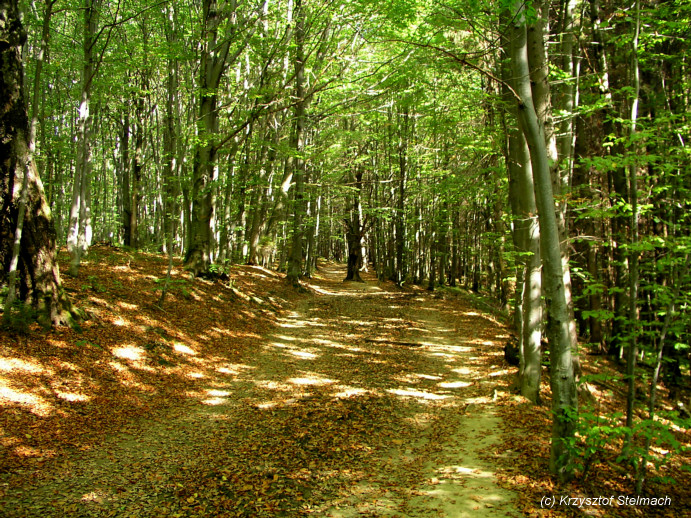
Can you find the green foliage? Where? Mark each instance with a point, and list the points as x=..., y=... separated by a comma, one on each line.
x=180, y=286
x=19, y=319
x=86, y=343
x=595, y=437
x=599, y=437
x=94, y=284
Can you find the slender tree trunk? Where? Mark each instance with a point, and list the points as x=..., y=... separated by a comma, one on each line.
x=80, y=232
x=564, y=394
x=399, y=222
x=296, y=250
x=355, y=232
x=632, y=252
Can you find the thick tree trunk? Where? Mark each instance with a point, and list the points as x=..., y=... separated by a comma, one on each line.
x=542, y=98
x=39, y=277
x=214, y=61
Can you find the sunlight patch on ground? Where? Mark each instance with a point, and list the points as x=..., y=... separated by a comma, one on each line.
x=322, y=291
x=480, y=341
x=218, y=397
x=293, y=325
x=127, y=305
x=56, y=343
x=195, y=375
x=336, y=345
x=130, y=352
x=36, y=404
x=348, y=391
x=72, y=396
x=27, y=451
x=233, y=369
x=428, y=377
x=119, y=321
x=418, y=394
x=97, y=497
x=273, y=385
x=218, y=393
x=454, y=384
x=10, y=364
x=406, y=378
x=294, y=351
x=304, y=355
x=463, y=371
x=311, y=380
x=267, y=405
x=481, y=400
x=118, y=366
x=286, y=338
x=184, y=349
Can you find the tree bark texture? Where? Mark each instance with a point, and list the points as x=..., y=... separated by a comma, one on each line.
x=564, y=394
x=39, y=276
x=212, y=65
x=298, y=162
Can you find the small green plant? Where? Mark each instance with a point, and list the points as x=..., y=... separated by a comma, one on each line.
x=94, y=284
x=180, y=286
x=86, y=343
x=19, y=319
x=659, y=435
x=594, y=433
x=599, y=437
x=218, y=269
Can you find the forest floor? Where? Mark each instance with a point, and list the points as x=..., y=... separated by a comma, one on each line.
x=248, y=398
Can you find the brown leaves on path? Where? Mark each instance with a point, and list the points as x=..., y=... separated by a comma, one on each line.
x=252, y=400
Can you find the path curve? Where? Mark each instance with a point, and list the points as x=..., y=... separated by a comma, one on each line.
x=366, y=400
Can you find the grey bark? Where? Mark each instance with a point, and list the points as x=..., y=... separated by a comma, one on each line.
x=562, y=380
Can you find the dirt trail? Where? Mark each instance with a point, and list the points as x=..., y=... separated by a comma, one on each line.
x=363, y=402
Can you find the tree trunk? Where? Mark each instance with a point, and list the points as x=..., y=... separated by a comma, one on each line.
x=296, y=250
x=399, y=220
x=564, y=395
x=39, y=276
x=214, y=61
x=355, y=233
x=80, y=232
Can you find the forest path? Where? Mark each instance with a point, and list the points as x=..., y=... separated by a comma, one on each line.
x=364, y=401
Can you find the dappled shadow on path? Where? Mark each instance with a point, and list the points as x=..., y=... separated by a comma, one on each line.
x=365, y=399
